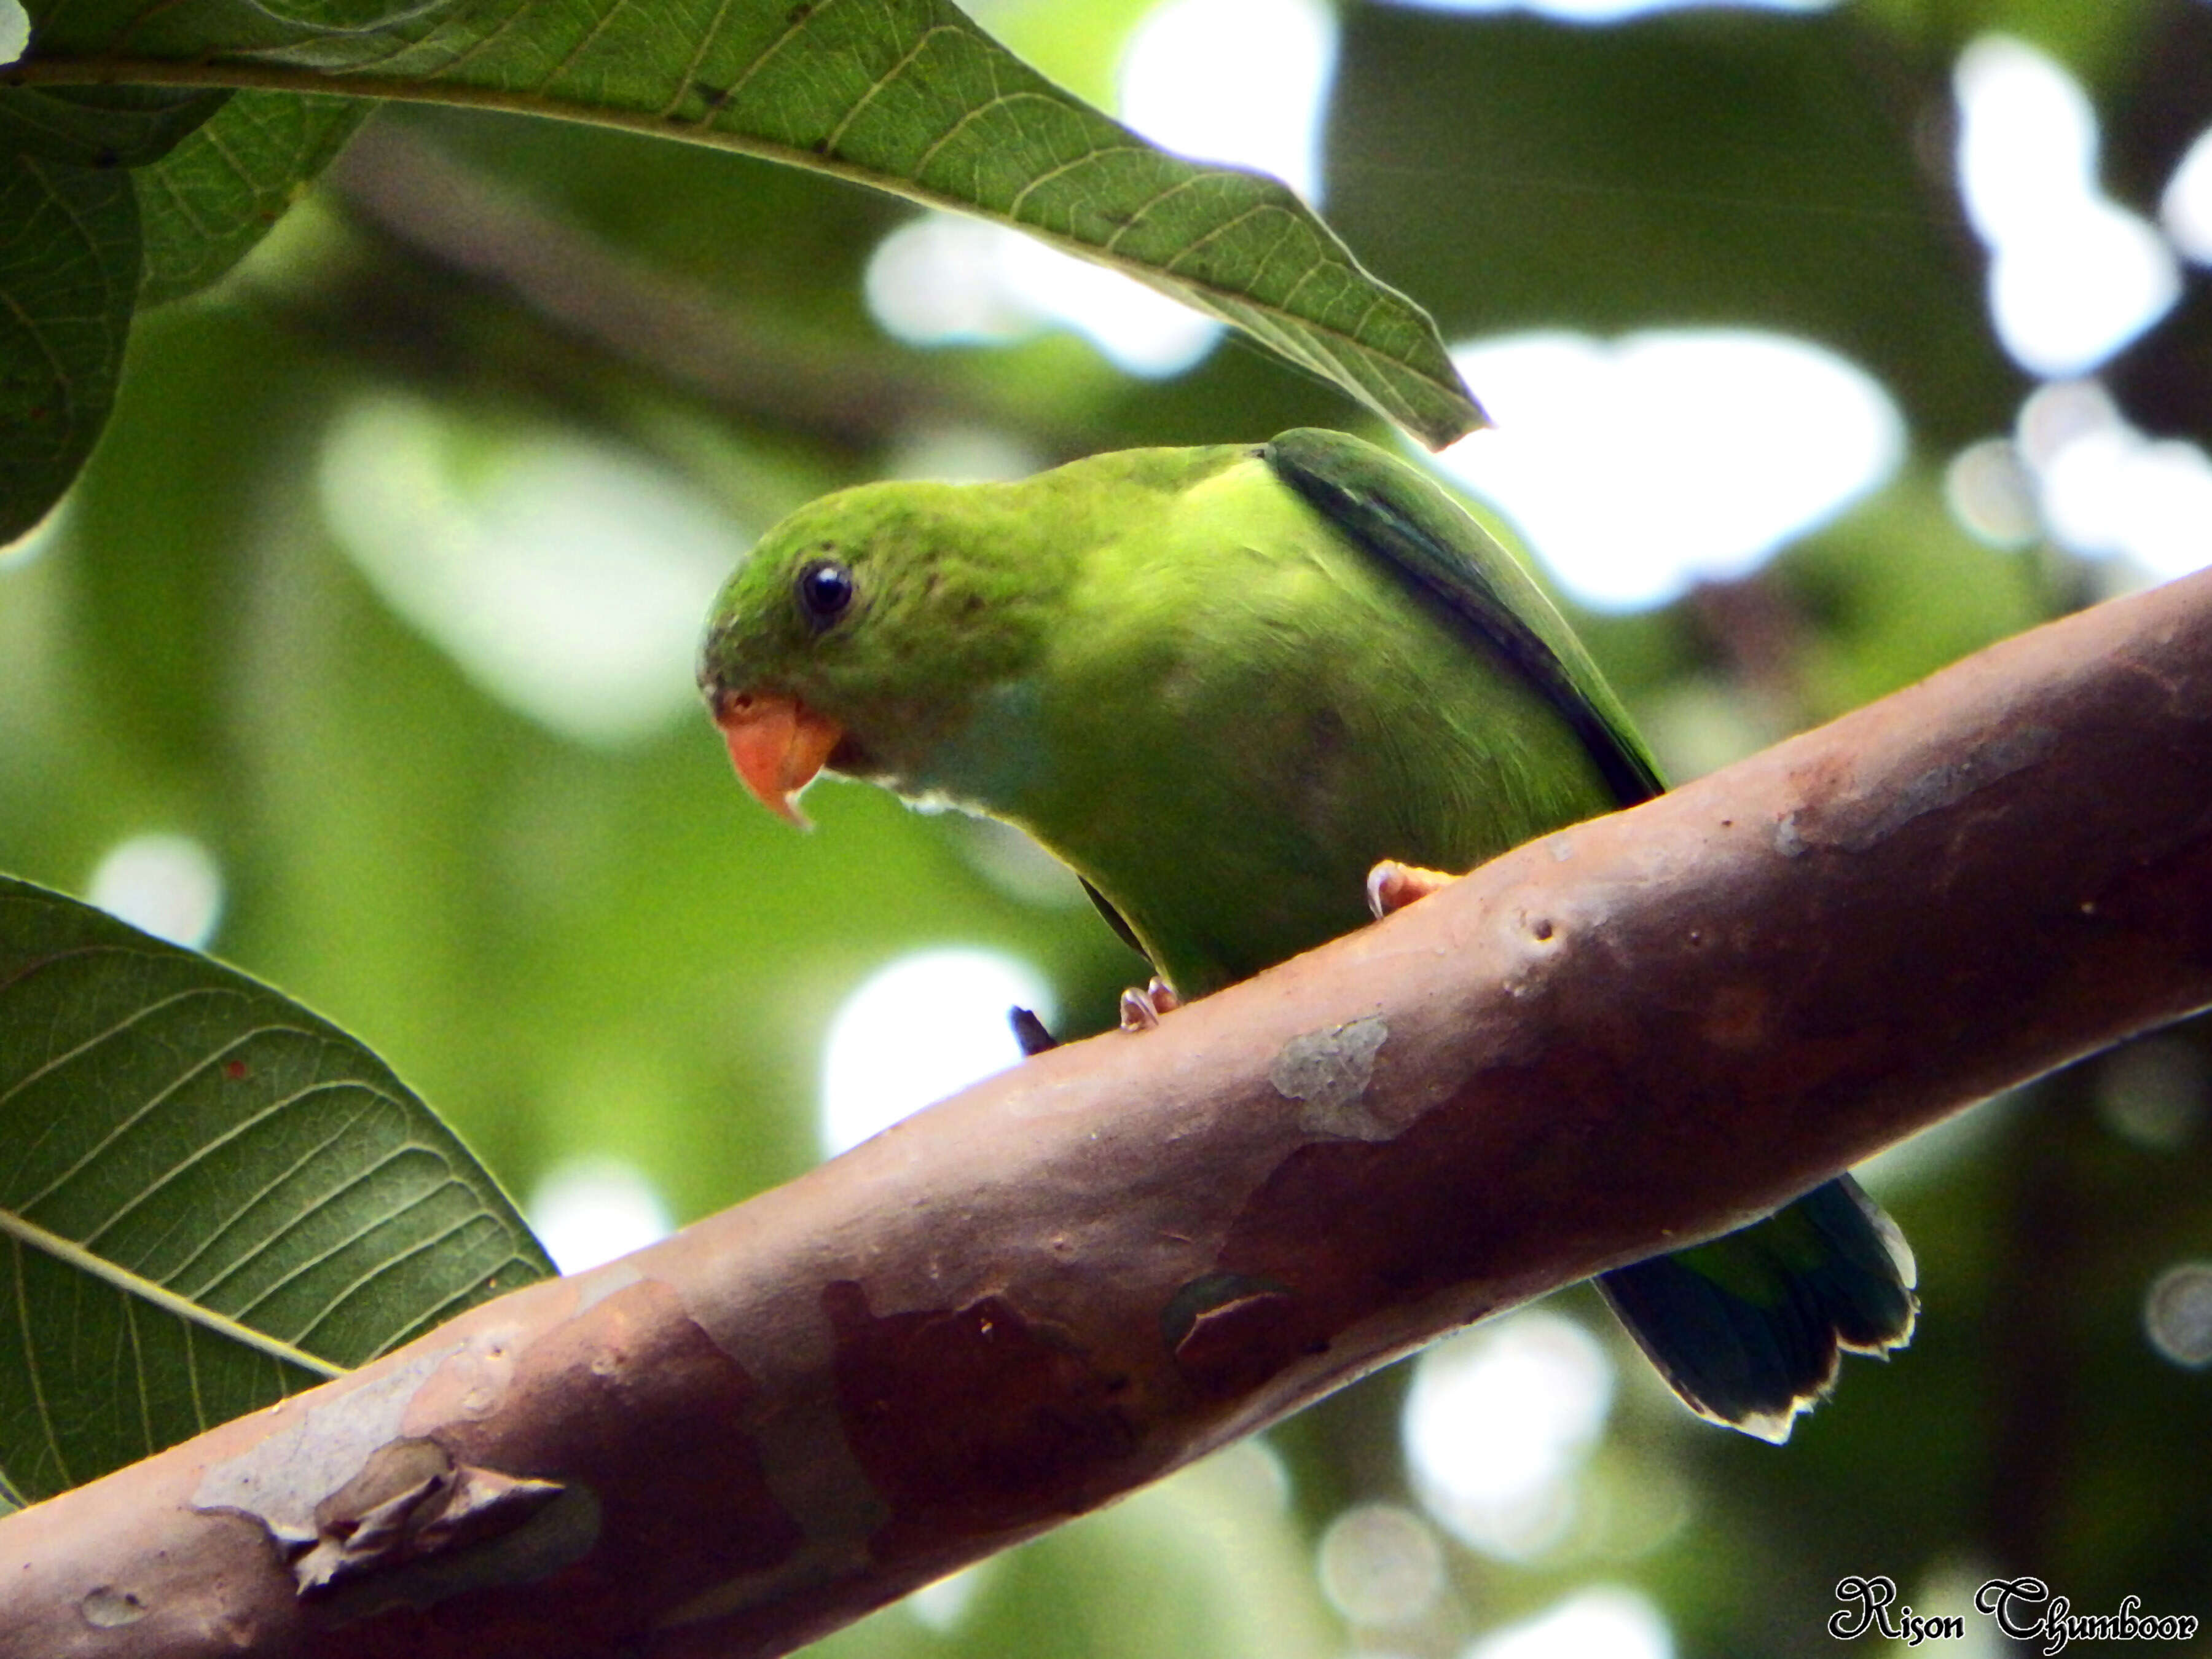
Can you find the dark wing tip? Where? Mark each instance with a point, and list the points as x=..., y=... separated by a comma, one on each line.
x=1754, y=1362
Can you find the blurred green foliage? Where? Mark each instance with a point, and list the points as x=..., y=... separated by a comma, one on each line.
x=570, y=947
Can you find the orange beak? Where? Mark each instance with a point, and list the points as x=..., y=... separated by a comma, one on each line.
x=778, y=744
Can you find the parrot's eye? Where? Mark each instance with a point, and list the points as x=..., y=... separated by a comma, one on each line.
x=824, y=589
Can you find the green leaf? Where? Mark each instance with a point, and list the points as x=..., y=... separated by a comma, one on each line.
x=69, y=274
x=906, y=95
x=207, y=174
x=207, y=203
x=102, y=126
x=211, y=1198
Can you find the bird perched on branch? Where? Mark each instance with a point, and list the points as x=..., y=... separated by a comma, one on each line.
x=1225, y=684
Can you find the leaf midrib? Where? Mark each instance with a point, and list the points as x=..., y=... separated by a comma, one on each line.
x=29, y=1233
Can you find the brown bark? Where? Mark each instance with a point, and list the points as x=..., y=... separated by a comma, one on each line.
x=1075, y=1277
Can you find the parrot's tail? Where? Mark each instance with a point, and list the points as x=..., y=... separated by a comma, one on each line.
x=1749, y=1328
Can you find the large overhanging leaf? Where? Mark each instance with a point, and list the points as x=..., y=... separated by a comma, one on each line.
x=907, y=95
x=209, y=1198
x=69, y=275
x=206, y=203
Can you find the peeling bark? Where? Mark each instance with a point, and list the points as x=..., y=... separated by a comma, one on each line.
x=1076, y=1277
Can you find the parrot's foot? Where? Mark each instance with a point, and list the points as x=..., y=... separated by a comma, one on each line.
x=1030, y=1032
x=1141, y=1010
x=1393, y=886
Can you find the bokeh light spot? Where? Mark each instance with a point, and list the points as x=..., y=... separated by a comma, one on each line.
x=1244, y=82
x=941, y=280
x=1606, y=1621
x=2072, y=275
x=2152, y=1093
x=924, y=1027
x=1990, y=491
x=1381, y=1565
x=2178, y=1313
x=2185, y=205
x=167, y=885
x=1640, y=466
x=588, y=1211
x=2108, y=490
x=1498, y=1425
x=569, y=579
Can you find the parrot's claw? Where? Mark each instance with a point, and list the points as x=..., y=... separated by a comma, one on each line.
x=1029, y=1031
x=1138, y=1013
x=1393, y=886
x=1141, y=1010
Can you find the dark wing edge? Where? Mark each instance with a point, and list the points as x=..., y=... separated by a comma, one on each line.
x=1116, y=920
x=1410, y=522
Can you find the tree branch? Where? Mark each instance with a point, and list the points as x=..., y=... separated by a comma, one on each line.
x=1078, y=1276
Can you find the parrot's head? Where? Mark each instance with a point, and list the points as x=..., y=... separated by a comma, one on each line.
x=862, y=629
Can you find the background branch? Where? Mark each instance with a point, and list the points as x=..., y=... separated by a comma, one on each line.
x=580, y=310
x=1081, y=1274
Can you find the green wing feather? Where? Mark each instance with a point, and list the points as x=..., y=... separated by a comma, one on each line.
x=1385, y=506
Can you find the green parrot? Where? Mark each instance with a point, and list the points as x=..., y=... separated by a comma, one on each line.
x=1224, y=684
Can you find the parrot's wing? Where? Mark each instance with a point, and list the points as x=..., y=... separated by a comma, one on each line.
x=1115, y=920
x=1406, y=520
